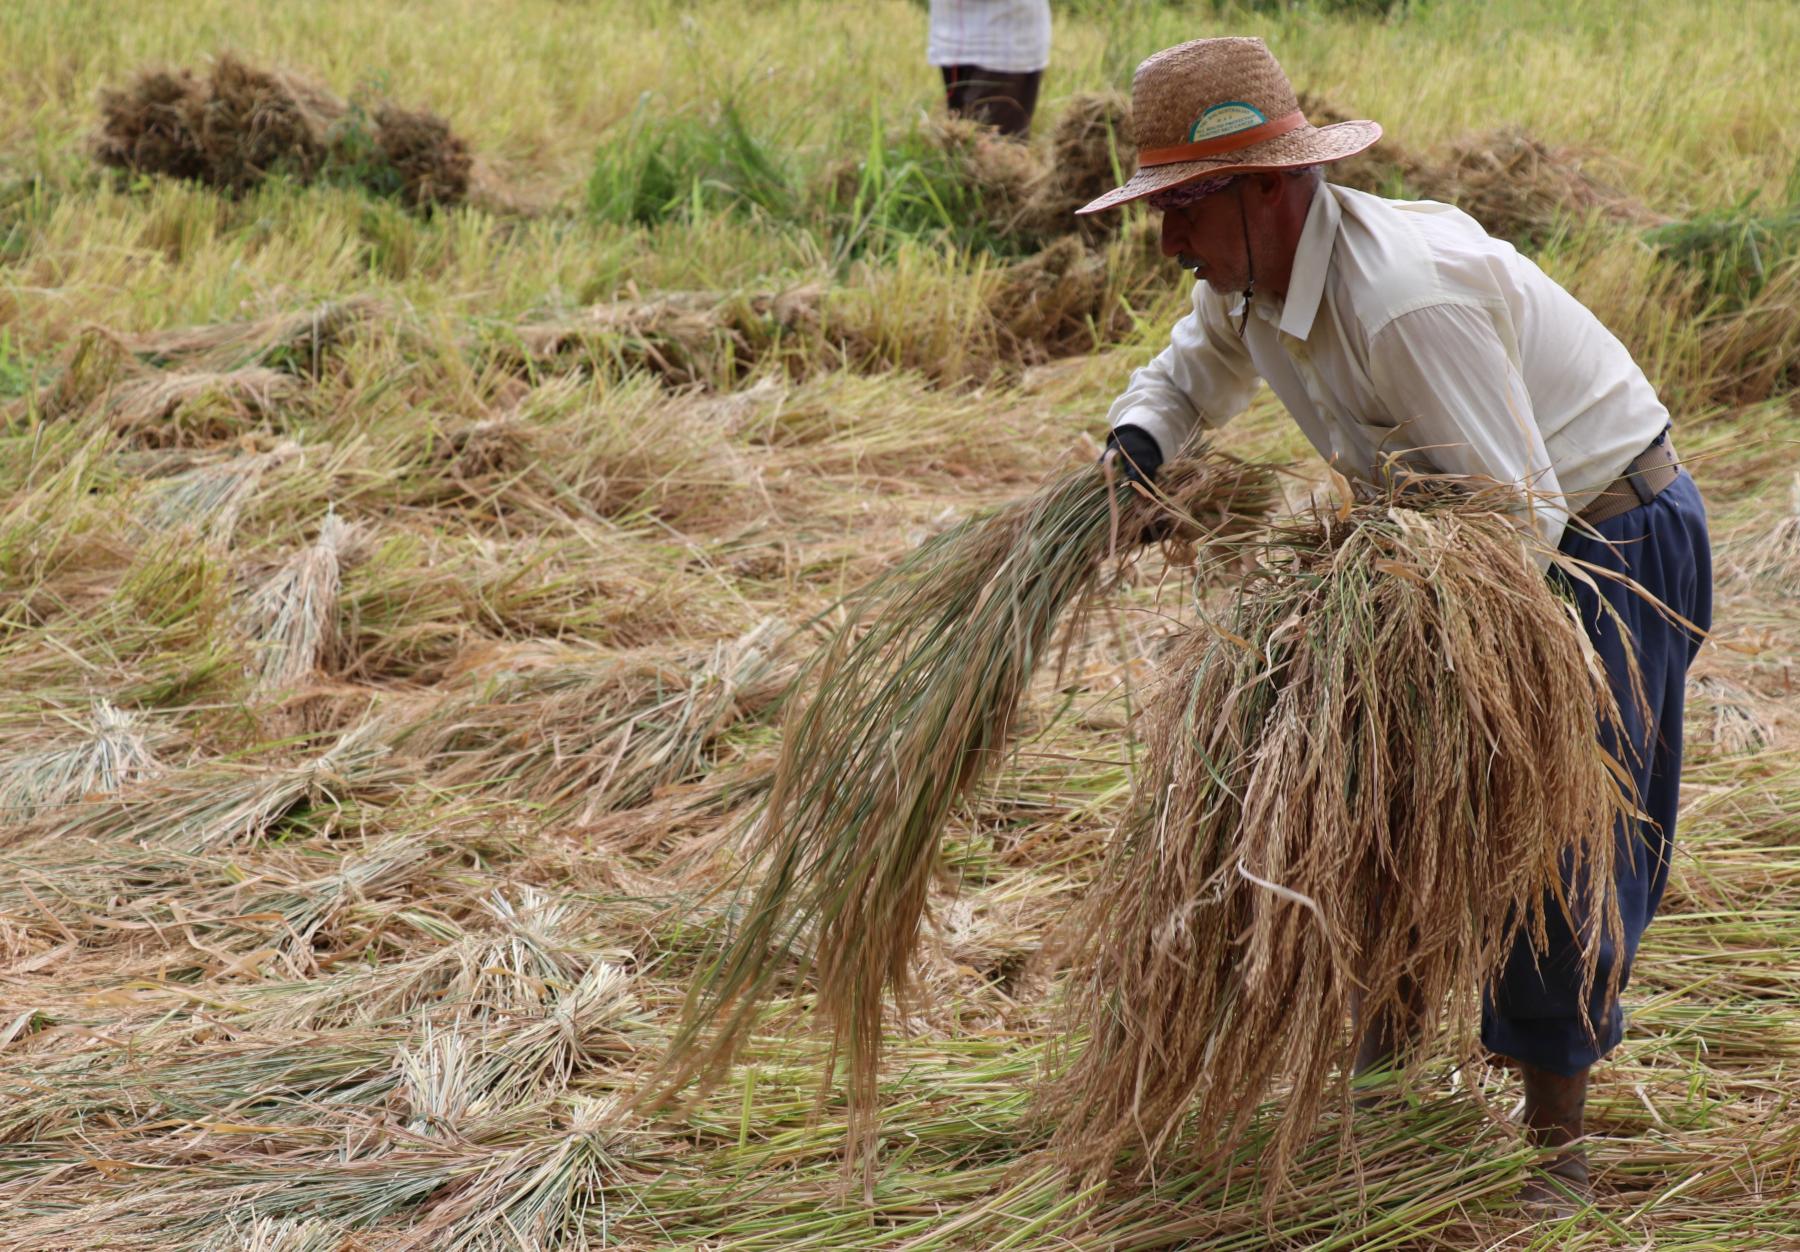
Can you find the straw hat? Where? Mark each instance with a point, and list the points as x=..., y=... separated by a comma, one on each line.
x=1222, y=106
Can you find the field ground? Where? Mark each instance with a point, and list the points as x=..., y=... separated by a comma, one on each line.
x=392, y=610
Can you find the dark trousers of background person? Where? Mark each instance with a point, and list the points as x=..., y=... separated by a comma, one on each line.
x=1001, y=100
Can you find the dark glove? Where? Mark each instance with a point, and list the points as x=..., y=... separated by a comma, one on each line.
x=1139, y=456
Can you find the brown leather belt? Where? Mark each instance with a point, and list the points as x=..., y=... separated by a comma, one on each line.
x=1643, y=480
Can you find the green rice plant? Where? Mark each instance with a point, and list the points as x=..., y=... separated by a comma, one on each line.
x=910, y=704
x=1736, y=251
x=686, y=167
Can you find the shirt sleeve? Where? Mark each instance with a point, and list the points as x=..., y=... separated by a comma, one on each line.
x=1203, y=378
x=1458, y=401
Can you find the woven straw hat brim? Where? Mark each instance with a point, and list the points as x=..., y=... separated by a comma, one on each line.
x=1309, y=145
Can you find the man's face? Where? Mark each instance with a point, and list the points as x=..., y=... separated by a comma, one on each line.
x=1208, y=238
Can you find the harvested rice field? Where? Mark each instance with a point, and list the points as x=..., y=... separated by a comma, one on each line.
x=436, y=444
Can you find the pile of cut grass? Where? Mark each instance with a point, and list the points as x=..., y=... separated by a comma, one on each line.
x=241, y=124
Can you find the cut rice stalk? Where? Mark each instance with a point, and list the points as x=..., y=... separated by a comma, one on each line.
x=146, y=405
x=275, y=1234
x=292, y=616
x=216, y=805
x=1358, y=792
x=588, y=733
x=914, y=695
x=114, y=750
x=1775, y=555
x=1736, y=727
x=209, y=499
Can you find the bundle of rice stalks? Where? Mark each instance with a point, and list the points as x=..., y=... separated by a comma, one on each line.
x=945, y=178
x=294, y=343
x=1774, y=556
x=587, y=733
x=911, y=702
x=430, y=162
x=995, y=174
x=242, y=124
x=1515, y=185
x=1055, y=304
x=207, y=500
x=540, y=1194
x=163, y=410
x=682, y=338
x=1091, y=152
x=218, y=805
x=1521, y=189
x=1358, y=791
x=291, y=617
x=113, y=750
x=1734, y=725
x=92, y=368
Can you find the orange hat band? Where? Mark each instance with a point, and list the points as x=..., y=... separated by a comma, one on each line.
x=1221, y=144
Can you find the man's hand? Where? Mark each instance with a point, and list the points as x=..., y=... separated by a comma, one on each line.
x=1133, y=451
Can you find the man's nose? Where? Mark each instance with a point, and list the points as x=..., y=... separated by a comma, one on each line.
x=1174, y=235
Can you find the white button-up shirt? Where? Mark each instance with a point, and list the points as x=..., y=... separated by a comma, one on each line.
x=1408, y=331
x=1010, y=36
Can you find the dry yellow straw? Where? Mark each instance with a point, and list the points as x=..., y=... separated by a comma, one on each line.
x=1363, y=785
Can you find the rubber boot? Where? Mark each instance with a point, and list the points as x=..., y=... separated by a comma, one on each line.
x=1554, y=1108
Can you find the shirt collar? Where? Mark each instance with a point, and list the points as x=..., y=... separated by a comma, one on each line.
x=1307, y=282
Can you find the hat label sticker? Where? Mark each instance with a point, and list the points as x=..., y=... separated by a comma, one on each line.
x=1225, y=119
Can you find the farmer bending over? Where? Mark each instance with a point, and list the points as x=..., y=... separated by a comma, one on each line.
x=1398, y=329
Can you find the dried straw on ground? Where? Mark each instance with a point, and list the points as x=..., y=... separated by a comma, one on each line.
x=1736, y=724
x=1362, y=784
x=241, y=124
x=208, y=499
x=214, y=805
x=295, y=343
x=911, y=703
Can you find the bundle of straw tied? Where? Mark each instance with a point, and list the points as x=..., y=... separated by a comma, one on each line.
x=1358, y=789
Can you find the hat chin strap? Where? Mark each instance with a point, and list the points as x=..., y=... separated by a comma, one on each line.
x=1249, y=263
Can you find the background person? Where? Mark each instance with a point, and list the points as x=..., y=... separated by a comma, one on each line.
x=992, y=54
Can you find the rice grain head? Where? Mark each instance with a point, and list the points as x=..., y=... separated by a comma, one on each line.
x=1359, y=788
x=910, y=703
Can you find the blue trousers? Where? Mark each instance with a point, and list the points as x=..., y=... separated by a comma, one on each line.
x=1534, y=1011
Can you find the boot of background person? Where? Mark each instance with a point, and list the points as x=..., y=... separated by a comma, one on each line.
x=1005, y=101
x=1555, y=1106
